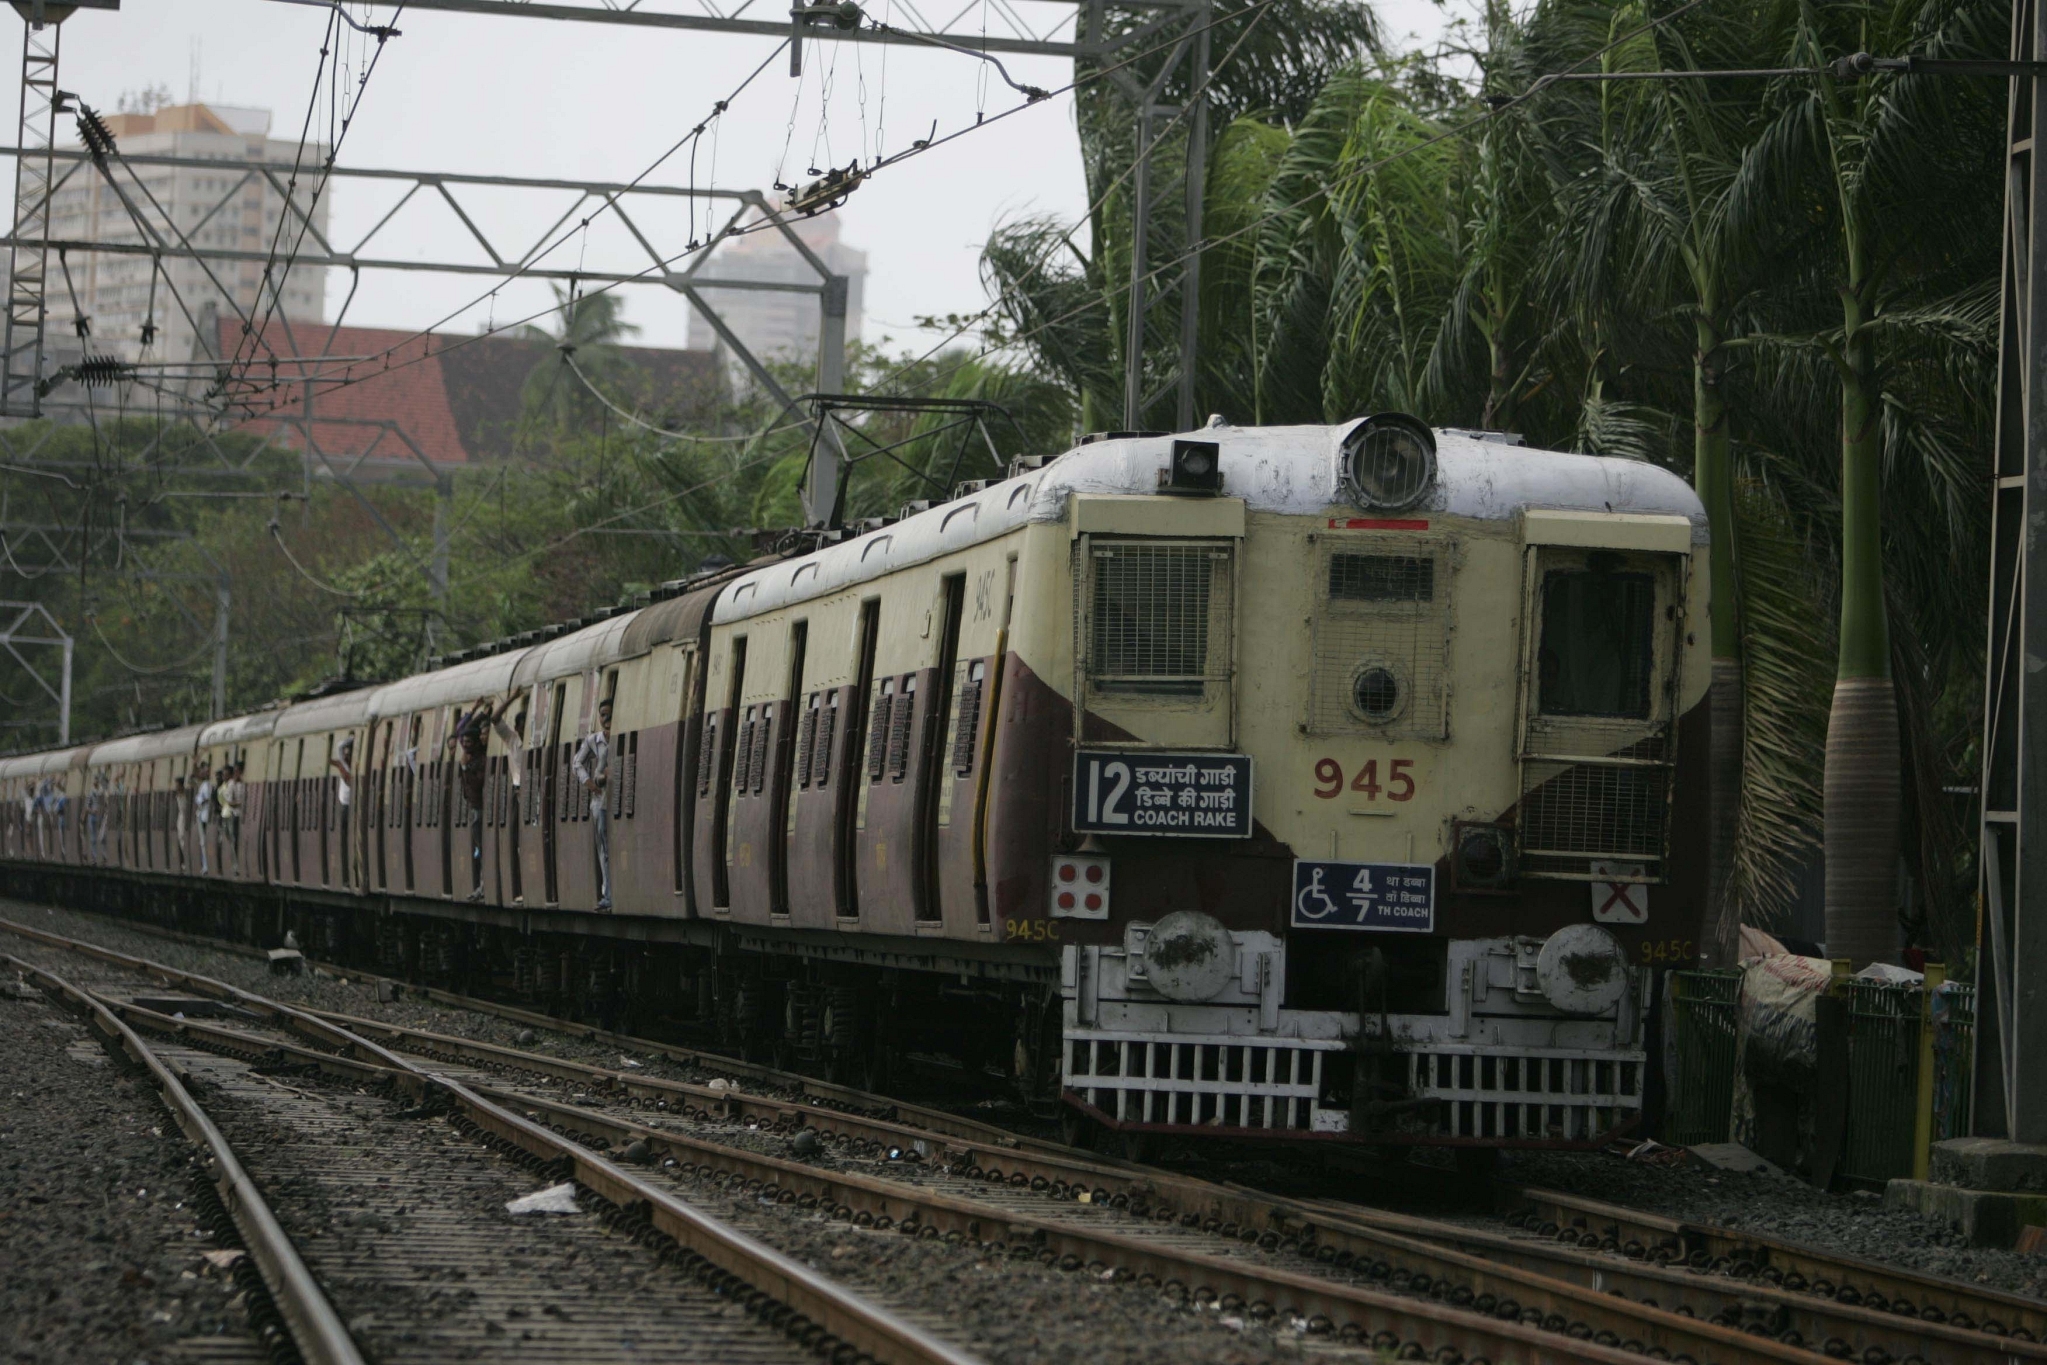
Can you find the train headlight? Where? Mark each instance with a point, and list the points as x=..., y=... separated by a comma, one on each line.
x=1389, y=462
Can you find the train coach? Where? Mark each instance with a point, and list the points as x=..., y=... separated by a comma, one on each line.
x=1340, y=783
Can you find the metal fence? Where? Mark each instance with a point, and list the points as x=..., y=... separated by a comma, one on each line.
x=1888, y=1042
x=1883, y=1080
x=1954, y=1049
x=1705, y=1014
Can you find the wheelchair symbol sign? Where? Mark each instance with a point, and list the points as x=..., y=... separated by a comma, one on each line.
x=1395, y=897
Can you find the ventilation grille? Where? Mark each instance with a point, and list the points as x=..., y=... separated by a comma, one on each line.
x=821, y=756
x=806, y=737
x=1379, y=614
x=1612, y=809
x=1151, y=618
x=968, y=728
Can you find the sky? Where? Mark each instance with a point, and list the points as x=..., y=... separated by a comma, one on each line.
x=536, y=98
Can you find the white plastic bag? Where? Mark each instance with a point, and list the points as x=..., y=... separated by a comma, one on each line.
x=554, y=1199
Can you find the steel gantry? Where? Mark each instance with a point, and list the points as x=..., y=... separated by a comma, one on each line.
x=2011, y=971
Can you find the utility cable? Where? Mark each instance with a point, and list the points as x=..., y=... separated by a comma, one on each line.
x=662, y=266
x=690, y=139
x=92, y=618
x=1496, y=110
x=276, y=282
x=569, y=360
x=277, y=535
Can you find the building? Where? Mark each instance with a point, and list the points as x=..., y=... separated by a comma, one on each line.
x=218, y=208
x=446, y=398
x=773, y=324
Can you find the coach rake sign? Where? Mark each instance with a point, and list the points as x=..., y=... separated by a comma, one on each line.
x=1122, y=791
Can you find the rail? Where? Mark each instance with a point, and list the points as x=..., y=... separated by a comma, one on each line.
x=315, y=1328
x=1559, y=1285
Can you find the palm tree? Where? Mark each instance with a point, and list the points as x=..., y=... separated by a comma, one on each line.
x=1894, y=167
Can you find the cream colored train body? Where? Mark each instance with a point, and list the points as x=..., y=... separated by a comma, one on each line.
x=1260, y=806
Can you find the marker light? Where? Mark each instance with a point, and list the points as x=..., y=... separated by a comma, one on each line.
x=1080, y=886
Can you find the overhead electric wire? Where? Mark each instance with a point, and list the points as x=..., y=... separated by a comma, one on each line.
x=92, y=618
x=278, y=535
x=664, y=264
x=1493, y=113
x=597, y=393
x=276, y=282
x=708, y=122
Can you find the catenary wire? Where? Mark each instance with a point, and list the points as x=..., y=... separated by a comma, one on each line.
x=663, y=265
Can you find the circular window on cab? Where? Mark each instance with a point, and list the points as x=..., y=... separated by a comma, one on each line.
x=1378, y=692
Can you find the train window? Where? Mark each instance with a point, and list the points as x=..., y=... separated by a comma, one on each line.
x=1148, y=629
x=1381, y=578
x=806, y=739
x=878, y=729
x=707, y=755
x=821, y=751
x=744, y=762
x=968, y=728
x=899, y=729
x=761, y=735
x=1597, y=652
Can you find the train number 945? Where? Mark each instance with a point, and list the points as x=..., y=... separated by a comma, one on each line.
x=1398, y=785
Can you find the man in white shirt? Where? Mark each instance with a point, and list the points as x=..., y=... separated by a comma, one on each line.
x=593, y=770
x=344, y=794
x=230, y=796
x=202, y=811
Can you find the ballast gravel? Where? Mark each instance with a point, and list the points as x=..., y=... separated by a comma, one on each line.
x=102, y=1260
x=1848, y=1224
x=1011, y=1312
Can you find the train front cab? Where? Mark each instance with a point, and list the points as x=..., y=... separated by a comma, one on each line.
x=1496, y=702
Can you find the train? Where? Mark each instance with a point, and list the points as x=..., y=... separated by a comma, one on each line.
x=1323, y=783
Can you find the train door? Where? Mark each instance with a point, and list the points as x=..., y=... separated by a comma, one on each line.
x=520, y=798
x=300, y=803
x=409, y=785
x=381, y=815
x=327, y=780
x=852, y=788
x=931, y=748
x=554, y=789
x=684, y=665
x=732, y=767
x=782, y=787
x=447, y=784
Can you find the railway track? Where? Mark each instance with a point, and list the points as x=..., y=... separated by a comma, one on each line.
x=1339, y=1271
x=395, y=1221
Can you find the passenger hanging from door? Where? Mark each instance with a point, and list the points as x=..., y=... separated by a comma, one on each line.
x=230, y=795
x=593, y=770
x=472, y=736
x=514, y=737
x=344, y=794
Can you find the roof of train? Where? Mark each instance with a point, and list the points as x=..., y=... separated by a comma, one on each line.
x=1289, y=470
x=486, y=677
x=142, y=748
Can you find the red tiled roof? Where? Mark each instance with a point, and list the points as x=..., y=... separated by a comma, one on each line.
x=399, y=402
x=451, y=397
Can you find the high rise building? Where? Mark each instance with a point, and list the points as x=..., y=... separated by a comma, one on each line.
x=221, y=207
x=774, y=324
